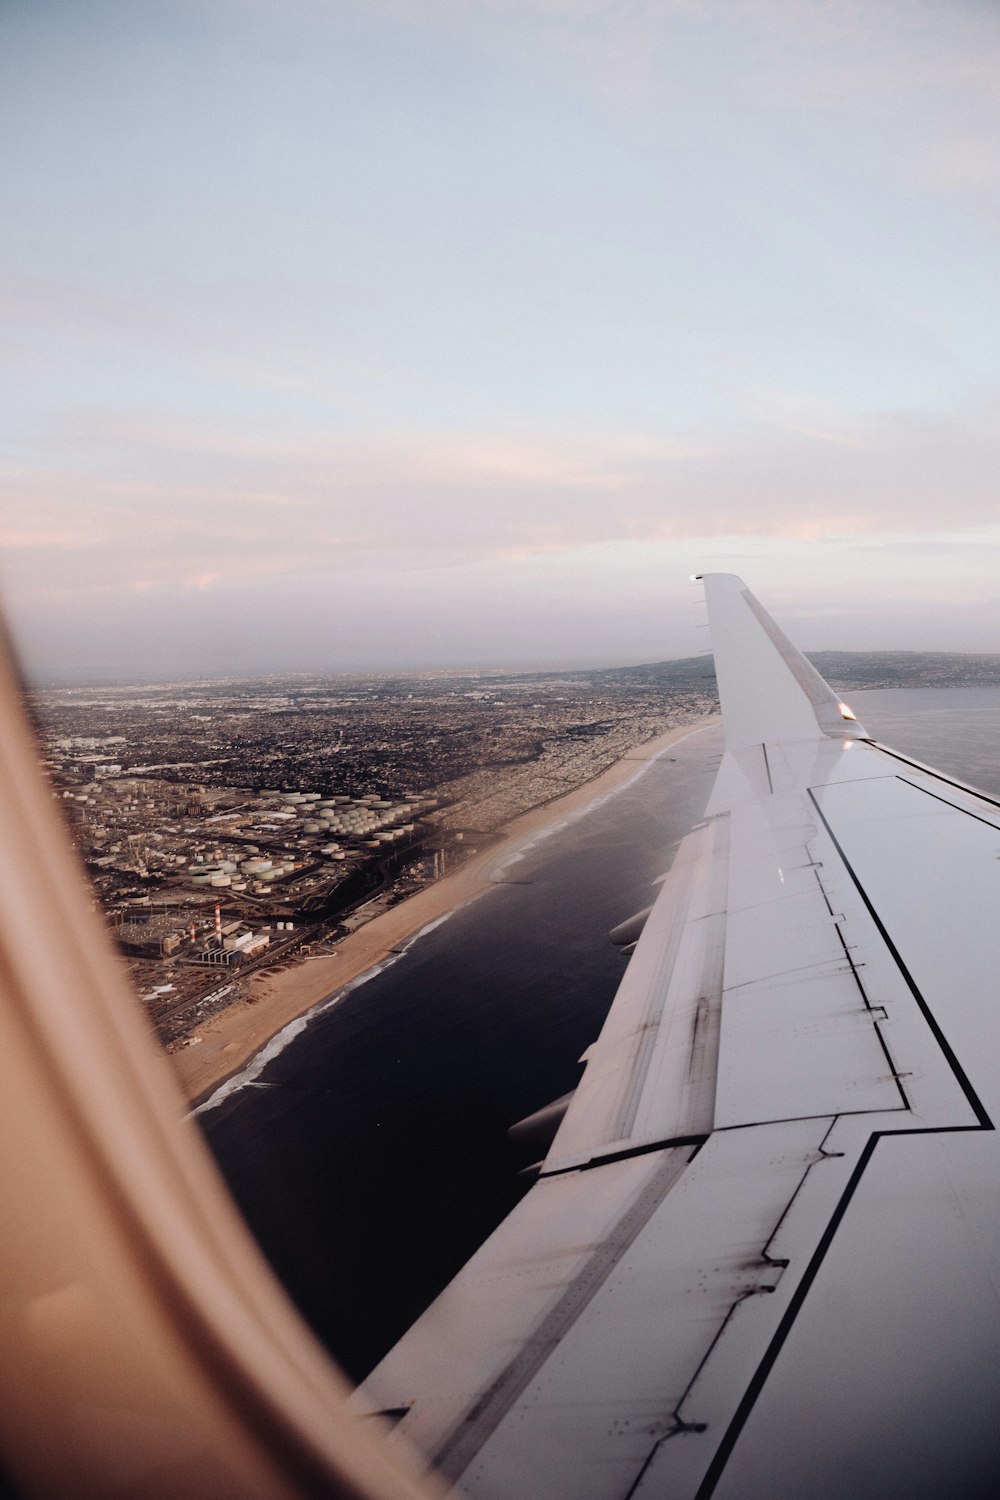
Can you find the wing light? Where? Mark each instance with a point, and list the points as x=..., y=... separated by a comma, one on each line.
x=845, y=713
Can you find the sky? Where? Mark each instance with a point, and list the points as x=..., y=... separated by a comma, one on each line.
x=376, y=334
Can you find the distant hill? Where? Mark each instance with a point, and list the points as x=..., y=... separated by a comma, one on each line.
x=844, y=670
x=871, y=669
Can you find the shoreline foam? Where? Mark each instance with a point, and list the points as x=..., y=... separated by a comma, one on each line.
x=236, y=1044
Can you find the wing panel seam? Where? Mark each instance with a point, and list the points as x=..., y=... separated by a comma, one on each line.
x=961, y=1076
x=978, y=817
x=758, y=1380
x=938, y=775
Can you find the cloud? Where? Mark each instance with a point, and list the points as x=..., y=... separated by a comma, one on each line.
x=976, y=545
x=962, y=164
x=31, y=536
x=795, y=413
x=153, y=503
x=184, y=581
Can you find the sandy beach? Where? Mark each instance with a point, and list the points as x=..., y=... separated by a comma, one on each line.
x=231, y=1039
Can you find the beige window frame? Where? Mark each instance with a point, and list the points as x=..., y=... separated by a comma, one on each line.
x=146, y=1349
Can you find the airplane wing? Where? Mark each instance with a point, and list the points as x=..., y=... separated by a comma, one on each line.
x=762, y=1256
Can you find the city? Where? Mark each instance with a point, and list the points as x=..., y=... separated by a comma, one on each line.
x=231, y=827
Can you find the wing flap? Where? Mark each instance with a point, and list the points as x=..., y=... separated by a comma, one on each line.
x=651, y=1075
x=796, y=1035
x=930, y=869
x=473, y=1353
x=574, y=1342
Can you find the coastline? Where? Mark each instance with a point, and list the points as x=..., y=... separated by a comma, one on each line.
x=233, y=1038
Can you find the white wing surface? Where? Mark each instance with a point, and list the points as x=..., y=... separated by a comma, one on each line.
x=763, y=1254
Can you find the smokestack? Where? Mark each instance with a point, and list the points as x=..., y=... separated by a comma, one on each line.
x=218, y=922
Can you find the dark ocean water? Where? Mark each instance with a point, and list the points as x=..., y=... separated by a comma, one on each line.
x=370, y=1157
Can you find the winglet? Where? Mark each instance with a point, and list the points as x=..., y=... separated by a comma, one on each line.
x=767, y=688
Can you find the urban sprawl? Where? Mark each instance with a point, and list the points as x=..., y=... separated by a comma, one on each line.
x=233, y=825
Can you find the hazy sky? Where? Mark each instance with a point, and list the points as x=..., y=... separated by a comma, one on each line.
x=409, y=332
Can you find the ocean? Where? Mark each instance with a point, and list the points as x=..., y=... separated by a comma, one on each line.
x=370, y=1155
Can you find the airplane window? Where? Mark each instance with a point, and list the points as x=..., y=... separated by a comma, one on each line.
x=366, y=1140
x=390, y=391
x=146, y=1346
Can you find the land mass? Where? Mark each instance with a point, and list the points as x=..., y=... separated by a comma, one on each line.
x=241, y=836
x=276, y=999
